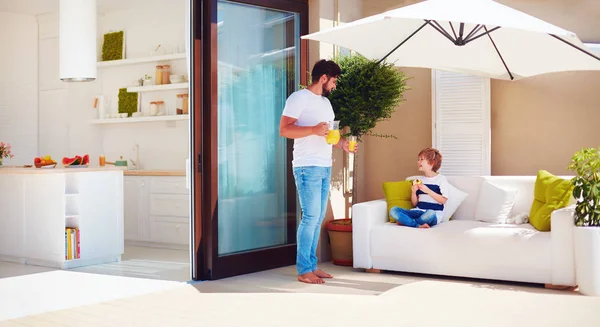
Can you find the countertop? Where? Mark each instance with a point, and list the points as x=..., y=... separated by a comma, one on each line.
x=126, y=172
x=20, y=170
x=144, y=172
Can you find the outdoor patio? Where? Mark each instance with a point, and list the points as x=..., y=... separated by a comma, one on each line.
x=353, y=298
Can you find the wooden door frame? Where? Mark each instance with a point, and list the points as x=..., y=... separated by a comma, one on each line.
x=204, y=147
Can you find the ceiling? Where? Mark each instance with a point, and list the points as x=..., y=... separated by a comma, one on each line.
x=36, y=7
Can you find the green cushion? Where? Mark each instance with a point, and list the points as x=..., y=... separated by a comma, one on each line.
x=550, y=193
x=397, y=194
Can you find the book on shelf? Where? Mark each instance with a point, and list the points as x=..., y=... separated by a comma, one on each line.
x=72, y=243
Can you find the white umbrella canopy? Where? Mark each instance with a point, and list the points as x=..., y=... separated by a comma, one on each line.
x=476, y=37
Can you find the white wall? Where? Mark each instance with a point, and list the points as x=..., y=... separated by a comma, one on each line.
x=18, y=86
x=66, y=108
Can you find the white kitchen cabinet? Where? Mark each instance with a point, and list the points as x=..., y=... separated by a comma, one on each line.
x=157, y=211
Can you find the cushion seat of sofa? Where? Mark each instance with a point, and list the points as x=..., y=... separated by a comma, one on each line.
x=464, y=248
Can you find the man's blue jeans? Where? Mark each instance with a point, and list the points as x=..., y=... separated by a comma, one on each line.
x=414, y=218
x=312, y=183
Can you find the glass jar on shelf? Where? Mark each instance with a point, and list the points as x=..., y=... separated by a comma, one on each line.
x=153, y=108
x=161, y=108
x=166, y=74
x=182, y=104
x=159, y=75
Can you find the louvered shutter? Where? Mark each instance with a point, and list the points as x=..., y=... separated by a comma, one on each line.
x=461, y=123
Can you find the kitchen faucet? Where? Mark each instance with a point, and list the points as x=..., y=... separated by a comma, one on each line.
x=136, y=163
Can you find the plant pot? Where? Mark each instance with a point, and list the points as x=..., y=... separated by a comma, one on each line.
x=340, y=237
x=587, y=259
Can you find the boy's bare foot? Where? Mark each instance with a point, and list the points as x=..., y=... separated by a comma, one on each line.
x=321, y=274
x=310, y=278
x=424, y=226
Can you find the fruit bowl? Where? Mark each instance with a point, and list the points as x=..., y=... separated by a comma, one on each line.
x=47, y=166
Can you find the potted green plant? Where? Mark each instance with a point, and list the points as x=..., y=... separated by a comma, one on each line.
x=367, y=92
x=586, y=164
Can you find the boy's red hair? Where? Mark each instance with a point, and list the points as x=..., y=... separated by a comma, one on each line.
x=433, y=157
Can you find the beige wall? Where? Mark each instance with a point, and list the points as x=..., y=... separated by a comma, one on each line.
x=536, y=123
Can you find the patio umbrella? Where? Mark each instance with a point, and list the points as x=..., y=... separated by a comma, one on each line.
x=476, y=37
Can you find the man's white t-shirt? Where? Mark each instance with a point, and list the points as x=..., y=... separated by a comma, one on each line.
x=310, y=109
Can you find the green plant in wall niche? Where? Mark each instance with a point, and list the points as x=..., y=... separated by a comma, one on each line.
x=128, y=102
x=112, y=48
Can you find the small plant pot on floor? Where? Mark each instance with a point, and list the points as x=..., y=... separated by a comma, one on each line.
x=340, y=236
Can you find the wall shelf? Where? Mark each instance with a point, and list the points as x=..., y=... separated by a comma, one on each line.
x=140, y=119
x=134, y=61
x=155, y=88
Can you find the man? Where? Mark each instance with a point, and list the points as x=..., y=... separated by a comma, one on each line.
x=305, y=120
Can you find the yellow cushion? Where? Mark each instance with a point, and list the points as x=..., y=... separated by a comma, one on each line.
x=397, y=194
x=550, y=193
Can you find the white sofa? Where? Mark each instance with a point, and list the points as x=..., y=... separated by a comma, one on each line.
x=468, y=248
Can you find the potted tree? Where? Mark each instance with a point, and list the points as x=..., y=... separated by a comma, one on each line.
x=367, y=92
x=586, y=164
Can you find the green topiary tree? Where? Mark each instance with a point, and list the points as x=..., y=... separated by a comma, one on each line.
x=366, y=93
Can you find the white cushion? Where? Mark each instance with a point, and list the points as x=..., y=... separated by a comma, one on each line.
x=472, y=186
x=495, y=203
x=455, y=198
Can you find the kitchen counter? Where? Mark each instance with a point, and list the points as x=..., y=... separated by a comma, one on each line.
x=61, y=170
x=126, y=172
x=154, y=172
x=40, y=204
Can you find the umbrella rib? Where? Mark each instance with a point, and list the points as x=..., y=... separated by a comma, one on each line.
x=399, y=45
x=498, y=51
x=482, y=34
x=453, y=31
x=441, y=30
x=576, y=47
x=475, y=30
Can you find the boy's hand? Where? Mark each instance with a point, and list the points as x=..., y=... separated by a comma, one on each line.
x=423, y=188
x=415, y=187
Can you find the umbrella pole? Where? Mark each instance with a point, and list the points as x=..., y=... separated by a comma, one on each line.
x=576, y=47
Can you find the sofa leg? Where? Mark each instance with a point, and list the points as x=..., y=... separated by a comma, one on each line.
x=559, y=287
x=373, y=271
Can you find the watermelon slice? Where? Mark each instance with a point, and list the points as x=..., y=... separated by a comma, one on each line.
x=69, y=161
x=86, y=160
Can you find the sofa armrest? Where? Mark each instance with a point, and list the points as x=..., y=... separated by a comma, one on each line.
x=563, y=246
x=365, y=215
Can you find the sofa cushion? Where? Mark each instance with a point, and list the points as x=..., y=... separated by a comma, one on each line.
x=397, y=194
x=550, y=193
x=495, y=203
x=455, y=199
x=472, y=186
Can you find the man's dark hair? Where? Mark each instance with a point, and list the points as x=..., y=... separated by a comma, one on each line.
x=327, y=67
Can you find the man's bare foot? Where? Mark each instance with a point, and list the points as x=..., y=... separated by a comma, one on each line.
x=424, y=226
x=320, y=273
x=310, y=278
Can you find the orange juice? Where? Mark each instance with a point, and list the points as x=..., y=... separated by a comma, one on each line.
x=352, y=146
x=333, y=136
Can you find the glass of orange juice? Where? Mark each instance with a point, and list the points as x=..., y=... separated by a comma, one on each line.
x=352, y=143
x=333, y=136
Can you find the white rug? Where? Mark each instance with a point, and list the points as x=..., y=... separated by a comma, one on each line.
x=55, y=290
x=426, y=303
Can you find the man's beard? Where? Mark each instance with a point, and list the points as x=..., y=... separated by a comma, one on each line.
x=326, y=92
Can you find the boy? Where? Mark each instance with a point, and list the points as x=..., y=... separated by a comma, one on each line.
x=429, y=194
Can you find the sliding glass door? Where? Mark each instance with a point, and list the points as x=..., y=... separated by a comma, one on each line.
x=255, y=67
